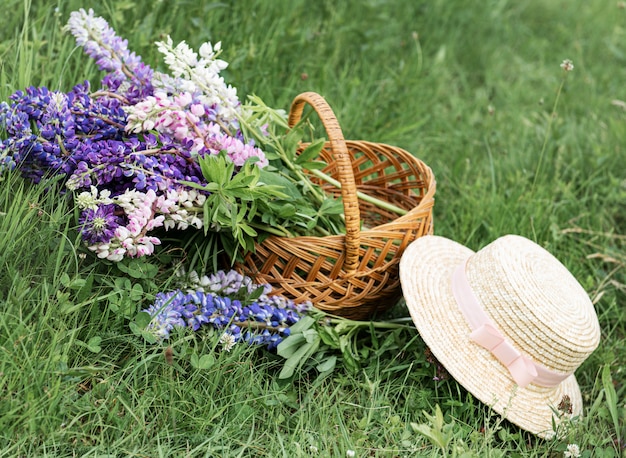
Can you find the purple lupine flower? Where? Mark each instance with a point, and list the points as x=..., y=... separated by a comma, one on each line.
x=6, y=162
x=50, y=132
x=98, y=226
x=96, y=118
x=127, y=75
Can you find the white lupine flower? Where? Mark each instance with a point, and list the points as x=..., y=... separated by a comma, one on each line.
x=198, y=77
x=178, y=59
x=91, y=200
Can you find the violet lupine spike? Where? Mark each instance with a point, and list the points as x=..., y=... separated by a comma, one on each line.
x=167, y=313
x=53, y=132
x=127, y=75
x=257, y=322
x=19, y=135
x=99, y=118
x=40, y=131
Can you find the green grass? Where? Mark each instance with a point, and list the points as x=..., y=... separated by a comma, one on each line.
x=468, y=87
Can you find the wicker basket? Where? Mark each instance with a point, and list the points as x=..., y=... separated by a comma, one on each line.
x=353, y=275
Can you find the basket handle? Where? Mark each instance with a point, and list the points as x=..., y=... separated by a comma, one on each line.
x=344, y=167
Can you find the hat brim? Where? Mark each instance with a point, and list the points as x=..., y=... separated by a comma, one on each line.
x=425, y=270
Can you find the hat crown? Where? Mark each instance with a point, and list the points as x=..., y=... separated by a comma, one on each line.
x=536, y=303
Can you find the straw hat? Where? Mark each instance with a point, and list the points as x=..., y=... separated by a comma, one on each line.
x=510, y=323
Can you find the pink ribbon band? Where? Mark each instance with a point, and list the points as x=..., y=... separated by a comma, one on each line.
x=523, y=370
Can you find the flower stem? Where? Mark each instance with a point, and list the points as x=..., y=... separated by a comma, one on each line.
x=372, y=200
x=547, y=135
x=282, y=232
x=392, y=324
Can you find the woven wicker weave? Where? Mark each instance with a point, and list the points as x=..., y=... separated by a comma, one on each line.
x=353, y=275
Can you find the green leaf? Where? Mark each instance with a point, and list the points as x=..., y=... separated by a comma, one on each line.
x=143, y=319
x=350, y=361
x=327, y=365
x=310, y=335
x=313, y=165
x=331, y=206
x=438, y=432
x=254, y=295
x=297, y=360
x=302, y=325
x=217, y=169
x=138, y=268
x=227, y=168
x=245, y=178
x=285, y=210
x=290, y=143
x=329, y=336
x=202, y=362
x=138, y=327
x=211, y=186
x=209, y=168
x=94, y=344
x=311, y=151
x=122, y=284
x=249, y=230
x=136, y=292
x=73, y=284
x=611, y=396
x=290, y=345
x=280, y=183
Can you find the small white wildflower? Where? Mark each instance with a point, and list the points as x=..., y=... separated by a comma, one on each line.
x=313, y=449
x=227, y=341
x=567, y=65
x=572, y=451
x=350, y=453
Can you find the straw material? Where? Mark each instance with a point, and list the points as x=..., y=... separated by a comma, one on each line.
x=353, y=274
x=534, y=301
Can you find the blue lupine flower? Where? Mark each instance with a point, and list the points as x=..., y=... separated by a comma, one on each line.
x=265, y=321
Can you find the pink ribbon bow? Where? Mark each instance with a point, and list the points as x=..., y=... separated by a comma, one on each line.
x=521, y=367
x=523, y=370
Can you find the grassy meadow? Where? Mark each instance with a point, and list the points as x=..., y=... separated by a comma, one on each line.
x=474, y=89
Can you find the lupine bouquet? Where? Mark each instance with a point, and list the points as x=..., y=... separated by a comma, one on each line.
x=148, y=152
